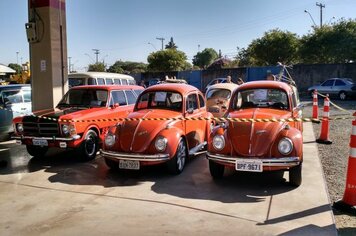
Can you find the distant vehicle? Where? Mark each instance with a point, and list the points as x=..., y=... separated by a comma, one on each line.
x=15, y=100
x=97, y=105
x=99, y=78
x=342, y=88
x=215, y=81
x=218, y=98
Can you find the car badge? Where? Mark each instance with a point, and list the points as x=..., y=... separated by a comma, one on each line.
x=142, y=133
x=260, y=131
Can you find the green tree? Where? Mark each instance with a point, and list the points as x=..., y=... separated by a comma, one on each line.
x=275, y=46
x=99, y=67
x=127, y=67
x=167, y=60
x=205, y=58
x=15, y=67
x=171, y=44
x=243, y=57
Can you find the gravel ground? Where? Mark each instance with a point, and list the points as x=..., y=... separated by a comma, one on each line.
x=334, y=158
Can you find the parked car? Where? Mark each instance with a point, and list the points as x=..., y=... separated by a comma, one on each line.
x=90, y=104
x=218, y=98
x=99, y=78
x=215, y=81
x=260, y=146
x=342, y=88
x=133, y=144
x=15, y=100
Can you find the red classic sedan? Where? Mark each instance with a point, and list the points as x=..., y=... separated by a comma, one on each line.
x=260, y=146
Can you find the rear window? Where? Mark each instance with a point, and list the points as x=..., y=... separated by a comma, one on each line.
x=218, y=93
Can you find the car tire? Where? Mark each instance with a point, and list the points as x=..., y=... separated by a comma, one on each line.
x=177, y=163
x=36, y=151
x=89, y=146
x=342, y=95
x=112, y=164
x=295, y=175
x=216, y=169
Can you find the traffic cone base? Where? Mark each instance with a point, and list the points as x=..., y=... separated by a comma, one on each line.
x=344, y=207
x=322, y=141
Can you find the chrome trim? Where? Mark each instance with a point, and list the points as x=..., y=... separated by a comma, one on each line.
x=76, y=137
x=133, y=156
x=267, y=162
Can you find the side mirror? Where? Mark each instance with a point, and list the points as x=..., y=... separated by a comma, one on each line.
x=190, y=111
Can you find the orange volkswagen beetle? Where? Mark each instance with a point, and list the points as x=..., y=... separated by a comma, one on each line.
x=133, y=144
x=260, y=146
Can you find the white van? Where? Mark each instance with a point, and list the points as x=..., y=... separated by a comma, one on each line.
x=99, y=78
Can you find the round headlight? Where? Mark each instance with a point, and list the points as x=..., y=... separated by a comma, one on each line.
x=110, y=140
x=161, y=144
x=219, y=142
x=65, y=129
x=285, y=146
x=19, y=127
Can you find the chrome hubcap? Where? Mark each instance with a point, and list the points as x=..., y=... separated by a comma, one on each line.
x=90, y=145
x=181, y=154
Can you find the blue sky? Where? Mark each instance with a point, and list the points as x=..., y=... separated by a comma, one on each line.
x=123, y=29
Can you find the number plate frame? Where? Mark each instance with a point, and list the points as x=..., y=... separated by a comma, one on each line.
x=39, y=142
x=129, y=165
x=249, y=165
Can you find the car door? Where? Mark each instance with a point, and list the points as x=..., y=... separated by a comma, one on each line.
x=326, y=87
x=194, y=129
x=5, y=116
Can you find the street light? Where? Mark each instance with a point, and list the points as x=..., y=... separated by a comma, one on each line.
x=310, y=17
x=153, y=46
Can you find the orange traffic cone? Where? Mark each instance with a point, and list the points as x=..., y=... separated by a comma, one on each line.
x=324, y=133
x=315, y=104
x=348, y=202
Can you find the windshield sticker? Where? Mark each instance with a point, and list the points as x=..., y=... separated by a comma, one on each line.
x=160, y=96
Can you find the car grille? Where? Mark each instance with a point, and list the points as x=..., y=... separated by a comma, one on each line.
x=41, y=129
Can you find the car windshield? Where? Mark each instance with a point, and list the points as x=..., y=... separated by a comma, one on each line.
x=261, y=98
x=218, y=93
x=160, y=100
x=84, y=98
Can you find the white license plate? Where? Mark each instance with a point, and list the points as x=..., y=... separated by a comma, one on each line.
x=40, y=142
x=249, y=165
x=131, y=165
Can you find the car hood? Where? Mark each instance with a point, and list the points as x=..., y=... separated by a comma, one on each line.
x=254, y=139
x=136, y=136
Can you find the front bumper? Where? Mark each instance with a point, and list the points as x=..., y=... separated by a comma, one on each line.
x=22, y=137
x=266, y=162
x=134, y=156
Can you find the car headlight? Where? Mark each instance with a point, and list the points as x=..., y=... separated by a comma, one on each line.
x=19, y=127
x=110, y=140
x=218, y=142
x=161, y=144
x=65, y=129
x=285, y=146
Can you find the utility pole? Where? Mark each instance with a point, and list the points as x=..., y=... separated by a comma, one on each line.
x=161, y=39
x=17, y=58
x=321, y=12
x=198, y=47
x=96, y=52
x=69, y=64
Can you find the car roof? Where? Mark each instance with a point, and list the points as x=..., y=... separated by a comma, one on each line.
x=108, y=87
x=14, y=86
x=230, y=86
x=100, y=75
x=265, y=84
x=181, y=88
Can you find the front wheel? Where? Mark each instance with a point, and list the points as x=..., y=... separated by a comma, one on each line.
x=177, y=163
x=295, y=175
x=89, y=146
x=216, y=170
x=36, y=151
x=342, y=95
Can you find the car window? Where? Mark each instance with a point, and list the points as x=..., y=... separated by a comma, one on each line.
x=192, y=102
x=118, y=97
x=109, y=81
x=132, y=82
x=13, y=96
x=339, y=83
x=76, y=82
x=101, y=81
x=218, y=93
x=138, y=92
x=85, y=98
x=91, y=81
x=329, y=82
x=1, y=100
x=201, y=101
x=27, y=95
x=160, y=100
x=117, y=81
x=131, y=98
x=261, y=98
x=124, y=81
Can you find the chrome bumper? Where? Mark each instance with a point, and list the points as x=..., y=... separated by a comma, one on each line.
x=271, y=162
x=133, y=156
x=76, y=137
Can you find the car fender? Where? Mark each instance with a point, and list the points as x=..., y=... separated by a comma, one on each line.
x=173, y=136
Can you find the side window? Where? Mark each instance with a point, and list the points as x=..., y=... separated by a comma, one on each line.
x=91, y=81
x=14, y=96
x=329, y=82
x=108, y=81
x=27, y=95
x=192, y=102
x=117, y=81
x=118, y=97
x=131, y=99
x=339, y=83
x=101, y=81
x=132, y=82
x=124, y=81
x=138, y=92
x=201, y=101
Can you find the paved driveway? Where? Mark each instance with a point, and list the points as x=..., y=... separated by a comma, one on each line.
x=60, y=196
